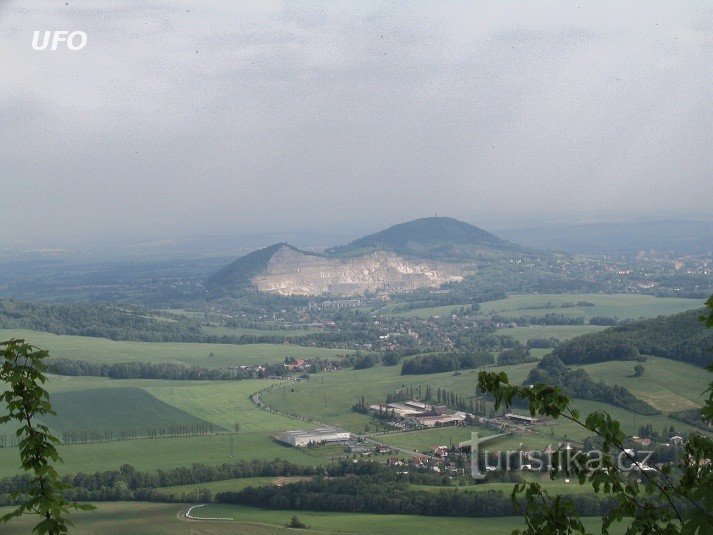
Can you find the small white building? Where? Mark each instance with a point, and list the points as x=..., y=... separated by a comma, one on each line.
x=304, y=437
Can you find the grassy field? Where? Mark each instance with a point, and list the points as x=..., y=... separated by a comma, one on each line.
x=667, y=385
x=240, y=331
x=426, y=439
x=115, y=408
x=558, y=486
x=421, y=313
x=110, y=351
x=369, y=524
x=219, y=402
x=165, y=453
x=137, y=518
x=622, y=306
x=224, y=485
x=330, y=396
x=326, y=397
x=561, y=332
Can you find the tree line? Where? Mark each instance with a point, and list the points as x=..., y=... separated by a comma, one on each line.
x=446, y=362
x=386, y=493
x=127, y=483
x=162, y=370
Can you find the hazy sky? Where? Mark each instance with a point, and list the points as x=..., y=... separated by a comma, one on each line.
x=184, y=118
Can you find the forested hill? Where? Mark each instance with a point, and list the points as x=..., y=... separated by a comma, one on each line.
x=441, y=238
x=680, y=337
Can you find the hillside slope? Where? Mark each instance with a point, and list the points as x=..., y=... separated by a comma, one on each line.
x=679, y=337
x=439, y=238
x=246, y=267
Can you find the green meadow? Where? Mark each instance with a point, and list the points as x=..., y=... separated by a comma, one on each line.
x=138, y=518
x=561, y=332
x=116, y=408
x=622, y=306
x=222, y=485
x=667, y=385
x=368, y=523
x=110, y=351
x=221, y=403
x=240, y=331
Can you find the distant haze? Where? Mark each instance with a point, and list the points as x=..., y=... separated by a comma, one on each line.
x=227, y=118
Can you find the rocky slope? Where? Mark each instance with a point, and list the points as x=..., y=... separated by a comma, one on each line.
x=291, y=272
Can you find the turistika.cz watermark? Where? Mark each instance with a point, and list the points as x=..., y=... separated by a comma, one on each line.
x=563, y=458
x=51, y=39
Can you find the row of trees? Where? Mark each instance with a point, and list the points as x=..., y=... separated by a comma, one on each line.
x=127, y=483
x=163, y=370
x=84, y=436
x=446, y=362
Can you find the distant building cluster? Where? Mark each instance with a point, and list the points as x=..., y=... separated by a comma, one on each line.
x=418, y=414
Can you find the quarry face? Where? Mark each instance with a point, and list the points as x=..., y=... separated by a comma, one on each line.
x=291, y=272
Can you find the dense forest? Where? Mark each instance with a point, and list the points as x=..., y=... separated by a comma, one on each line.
x=679, y=337
x=446, y=362
x=577, y=383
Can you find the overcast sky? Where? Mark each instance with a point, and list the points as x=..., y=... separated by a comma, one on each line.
x=226, y=117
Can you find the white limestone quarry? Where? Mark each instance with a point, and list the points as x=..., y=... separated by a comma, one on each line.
x=290, y=272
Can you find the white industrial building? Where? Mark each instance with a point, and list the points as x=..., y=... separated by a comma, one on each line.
x=303, y=437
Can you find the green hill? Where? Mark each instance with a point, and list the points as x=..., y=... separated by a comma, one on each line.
x=441, y=238
x=679, y=337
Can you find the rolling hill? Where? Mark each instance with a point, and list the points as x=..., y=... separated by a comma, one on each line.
x=438, y=238
x=679, y=337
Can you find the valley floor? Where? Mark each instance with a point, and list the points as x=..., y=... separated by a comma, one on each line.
x=138, y=518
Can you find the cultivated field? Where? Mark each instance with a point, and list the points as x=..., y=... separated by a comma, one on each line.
x=119, y=408
x=137, y=518
x=219, y=402
x=369, y=524
x=561, y=332
x=622, y=306
x=110, y=351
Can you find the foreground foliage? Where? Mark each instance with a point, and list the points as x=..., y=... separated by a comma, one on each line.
x=22, y=372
